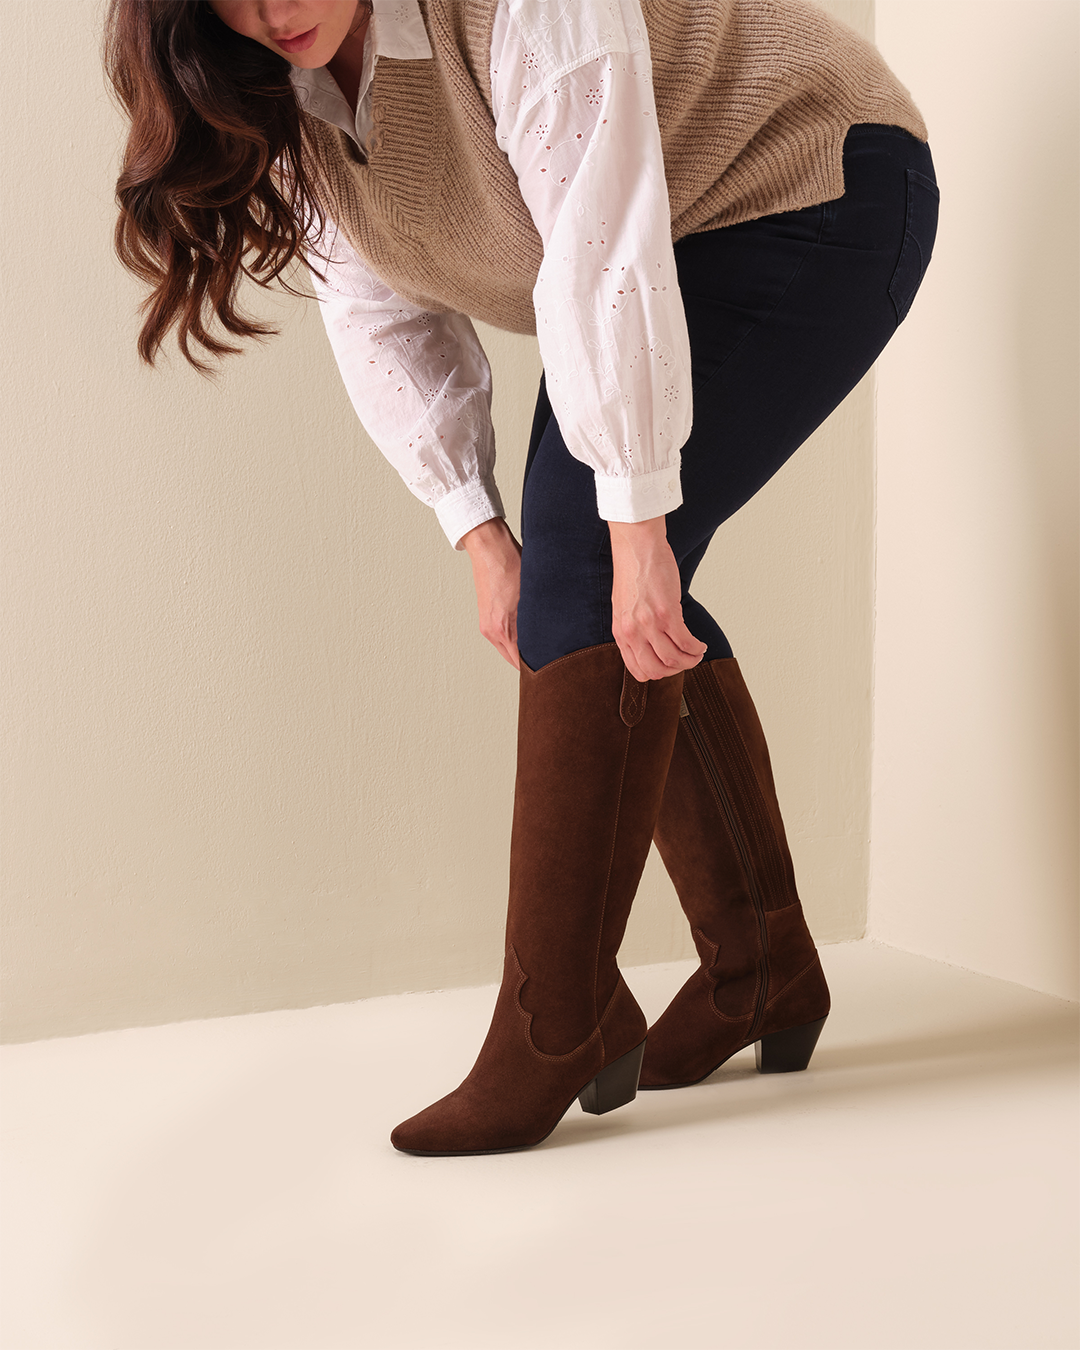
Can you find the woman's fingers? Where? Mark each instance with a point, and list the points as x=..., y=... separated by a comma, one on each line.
x=646, y=603
x=657, y=657
x=510, y=649
x=657, y=648
x=498, y=624
x=496, y=562
x=506, y=646
x=678, y=655
x=654, y=647
x=653, y=650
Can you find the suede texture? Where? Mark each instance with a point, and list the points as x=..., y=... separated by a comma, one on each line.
x=723, y=843
x=514, y=1096
x=593, y=753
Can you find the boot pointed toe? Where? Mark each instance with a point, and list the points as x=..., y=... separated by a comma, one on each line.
x=515, y=1095
x=433, y=1130
x=436, y=1134
x=459, y=1125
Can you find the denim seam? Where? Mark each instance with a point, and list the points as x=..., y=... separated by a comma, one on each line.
x=915, y=179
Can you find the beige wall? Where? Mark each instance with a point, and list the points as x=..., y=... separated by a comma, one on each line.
x=975, y=795
x=256, y=755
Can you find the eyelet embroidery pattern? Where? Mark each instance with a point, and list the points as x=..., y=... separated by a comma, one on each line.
x=419, y=381
x=610, y=337
x=610, y=324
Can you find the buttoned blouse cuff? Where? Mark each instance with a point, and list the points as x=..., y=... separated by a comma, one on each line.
x=466, y=507
x=641, y=497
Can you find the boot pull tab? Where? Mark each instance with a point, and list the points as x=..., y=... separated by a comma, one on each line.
x=632, y=703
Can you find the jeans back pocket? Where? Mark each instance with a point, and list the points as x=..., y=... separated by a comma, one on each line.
x=920, y=229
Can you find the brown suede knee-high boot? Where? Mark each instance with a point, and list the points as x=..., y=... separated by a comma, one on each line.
x=722, y=841
x=593, y=752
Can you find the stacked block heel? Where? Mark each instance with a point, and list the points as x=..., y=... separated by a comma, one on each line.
x=614, y=1086
x=787, y=1051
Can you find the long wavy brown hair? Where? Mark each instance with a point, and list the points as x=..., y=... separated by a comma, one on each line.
x=213, y=187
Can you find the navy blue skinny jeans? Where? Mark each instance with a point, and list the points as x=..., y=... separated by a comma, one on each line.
x=786, y=314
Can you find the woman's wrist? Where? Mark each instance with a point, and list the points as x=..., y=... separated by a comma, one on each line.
x=493, y=534
x=638, y=537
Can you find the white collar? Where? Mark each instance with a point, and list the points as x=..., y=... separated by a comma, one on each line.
x=396, y=31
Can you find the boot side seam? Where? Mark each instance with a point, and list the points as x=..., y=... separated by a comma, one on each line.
x=720, y=786
x=711, y=789
x=740, y=765
x=813, y=964
x=620, y=987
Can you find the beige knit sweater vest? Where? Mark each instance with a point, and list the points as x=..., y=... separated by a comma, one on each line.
x=754, y=99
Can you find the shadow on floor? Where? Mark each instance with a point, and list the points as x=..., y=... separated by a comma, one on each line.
x=1002, y=1048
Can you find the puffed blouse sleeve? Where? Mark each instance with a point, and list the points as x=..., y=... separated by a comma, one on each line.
x=420, y=384
x=576, y=116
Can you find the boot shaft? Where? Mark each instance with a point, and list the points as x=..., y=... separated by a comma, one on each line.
x=721, y=731
x=593, y=753
x=722, y=840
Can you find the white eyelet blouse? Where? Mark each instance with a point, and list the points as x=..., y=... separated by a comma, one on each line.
x=572, y=93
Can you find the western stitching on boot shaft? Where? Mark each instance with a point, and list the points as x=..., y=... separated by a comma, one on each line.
x=632, y=702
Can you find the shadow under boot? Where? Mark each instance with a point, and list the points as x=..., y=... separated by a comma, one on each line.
x=722, y=841
x=593, y=753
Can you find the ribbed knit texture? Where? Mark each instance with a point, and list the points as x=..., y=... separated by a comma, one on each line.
x=753, y=97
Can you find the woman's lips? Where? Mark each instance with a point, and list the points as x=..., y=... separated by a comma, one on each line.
x=300, y=43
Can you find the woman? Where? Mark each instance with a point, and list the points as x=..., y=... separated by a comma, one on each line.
x=530, y=164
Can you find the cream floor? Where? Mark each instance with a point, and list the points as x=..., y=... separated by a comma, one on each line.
x=227, y=1185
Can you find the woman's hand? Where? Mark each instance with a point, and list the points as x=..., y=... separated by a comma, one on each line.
x=496, y=563
x=646, y=602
